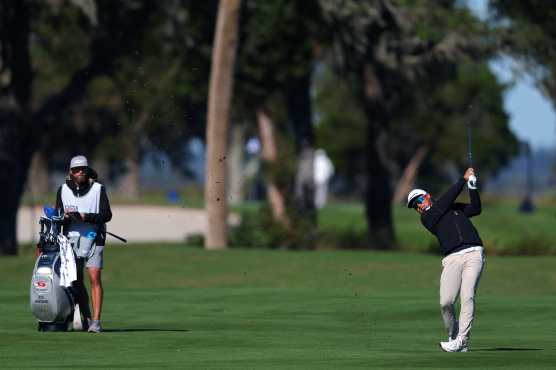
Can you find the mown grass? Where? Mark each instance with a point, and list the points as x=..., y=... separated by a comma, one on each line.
x=168, y=306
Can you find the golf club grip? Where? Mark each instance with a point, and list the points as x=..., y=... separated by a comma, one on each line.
x=117, y=237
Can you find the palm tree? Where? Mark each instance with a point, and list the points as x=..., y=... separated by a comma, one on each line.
x=220, y=96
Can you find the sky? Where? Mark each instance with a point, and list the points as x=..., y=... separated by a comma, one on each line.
x=532, y=117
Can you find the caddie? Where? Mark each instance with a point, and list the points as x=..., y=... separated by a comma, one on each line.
x=86, y=210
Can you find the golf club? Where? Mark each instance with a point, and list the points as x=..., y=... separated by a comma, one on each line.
x=469, y=145
x=117, y=237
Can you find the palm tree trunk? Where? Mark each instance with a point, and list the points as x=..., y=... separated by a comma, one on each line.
x=378, y=201
x=300, y=115
x=407, y=181
x=276, y=199
x=15, y=160
x=220, y=95
x=130, y=186
x=38, y=175
x=18, y=139
x=235, y=161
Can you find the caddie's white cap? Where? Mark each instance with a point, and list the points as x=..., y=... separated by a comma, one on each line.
x=79, y=161
x=413, y=195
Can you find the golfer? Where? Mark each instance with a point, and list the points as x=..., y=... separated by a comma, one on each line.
x=463, y=254
x=86, y=210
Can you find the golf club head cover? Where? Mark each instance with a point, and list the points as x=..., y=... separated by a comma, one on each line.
x=472, y=182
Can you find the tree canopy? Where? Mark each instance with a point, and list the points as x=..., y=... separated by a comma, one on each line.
x=526, y=31
x=373, y=82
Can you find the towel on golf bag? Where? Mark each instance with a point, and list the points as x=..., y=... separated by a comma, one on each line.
x=68, y=268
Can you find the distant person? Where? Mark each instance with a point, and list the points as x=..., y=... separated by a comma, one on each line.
x=251, y=171
x=86, y=210
x=253, y=147
x=463, y=251
x=323, y=171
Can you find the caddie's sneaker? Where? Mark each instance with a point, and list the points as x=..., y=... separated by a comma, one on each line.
x=95, y=327
x=457, y=345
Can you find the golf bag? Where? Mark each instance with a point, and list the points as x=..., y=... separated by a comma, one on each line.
x=51, y=304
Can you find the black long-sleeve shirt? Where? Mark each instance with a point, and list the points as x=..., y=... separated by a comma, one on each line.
x=449, y=221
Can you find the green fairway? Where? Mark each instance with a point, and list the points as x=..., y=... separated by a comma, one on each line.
x=173, y=307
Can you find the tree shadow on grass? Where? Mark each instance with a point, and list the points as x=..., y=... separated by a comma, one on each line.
x=133, y=330
x=507, y=349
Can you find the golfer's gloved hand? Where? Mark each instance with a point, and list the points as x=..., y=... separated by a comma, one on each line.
x=472, y=182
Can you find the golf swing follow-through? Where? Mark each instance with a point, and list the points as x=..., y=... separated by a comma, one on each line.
x=462, y=248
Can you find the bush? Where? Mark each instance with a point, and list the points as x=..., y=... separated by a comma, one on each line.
x=342, y=239
x=195, y=240
x=527, y=246
x=258, y=229
x=343, y=226
x=252, y=231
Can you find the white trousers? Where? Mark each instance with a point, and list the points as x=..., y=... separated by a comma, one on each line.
x=321, y=192
x=460, y=277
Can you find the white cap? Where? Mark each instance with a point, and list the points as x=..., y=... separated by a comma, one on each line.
x=79, y=161
x=413, y=194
